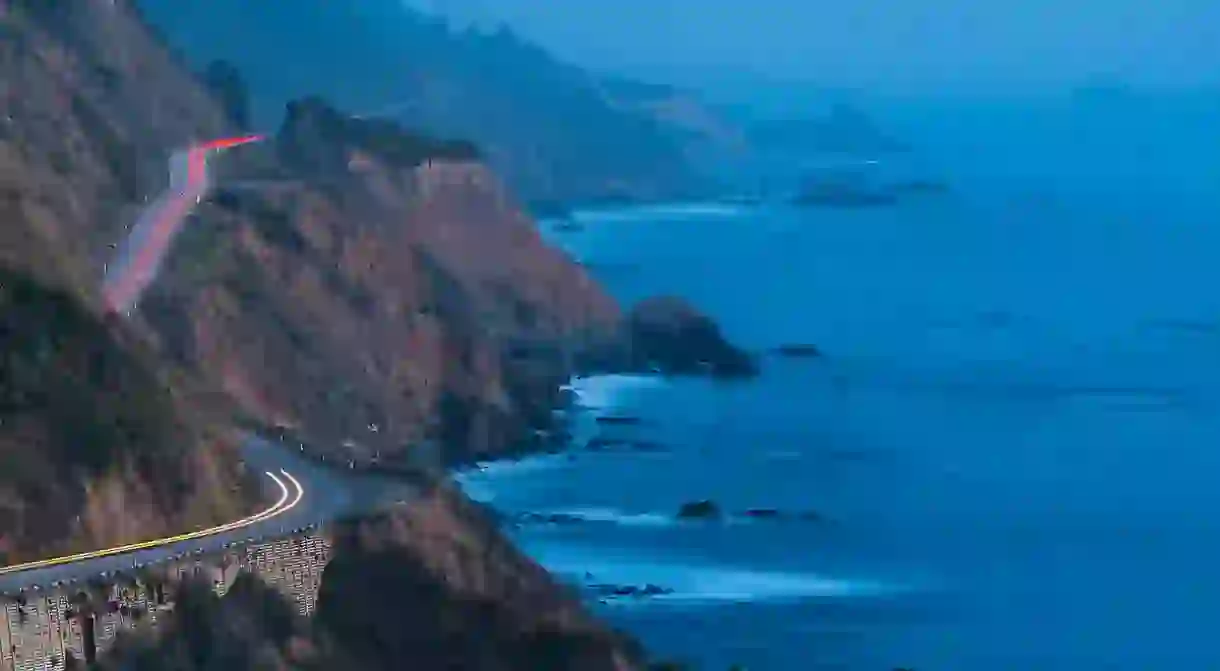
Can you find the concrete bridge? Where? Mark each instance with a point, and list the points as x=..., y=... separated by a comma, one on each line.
x=75, y=607
x=42, y=629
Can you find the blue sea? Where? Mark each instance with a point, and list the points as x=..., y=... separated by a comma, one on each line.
x=1011, y=445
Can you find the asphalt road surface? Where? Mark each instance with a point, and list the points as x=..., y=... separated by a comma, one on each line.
x=304, y=494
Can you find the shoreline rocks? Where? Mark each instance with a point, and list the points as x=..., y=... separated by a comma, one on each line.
x=605, y=591
x=667, y=335
x=703, y=510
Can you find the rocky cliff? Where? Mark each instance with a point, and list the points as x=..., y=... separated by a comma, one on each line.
x=87, y=425
x=371, y=288
x=368, y=296
x=94, y=450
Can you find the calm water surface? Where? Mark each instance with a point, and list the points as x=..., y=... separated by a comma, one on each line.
x=1012, y=442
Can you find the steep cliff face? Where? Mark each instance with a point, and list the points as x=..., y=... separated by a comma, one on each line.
x=89, y=107
x=371, y=296
x=480, y=602
x=96, y=450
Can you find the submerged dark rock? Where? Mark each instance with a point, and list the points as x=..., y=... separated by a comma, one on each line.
x=549, y=518
x=704, y=509
x=629, y=590
x=798, y=351
x=778, y=515
x=627, y=420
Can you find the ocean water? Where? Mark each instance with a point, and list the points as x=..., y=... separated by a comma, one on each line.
x=1012, y=445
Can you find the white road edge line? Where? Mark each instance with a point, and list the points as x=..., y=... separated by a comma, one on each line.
x=279, y=508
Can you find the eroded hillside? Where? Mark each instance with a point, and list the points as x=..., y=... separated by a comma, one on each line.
x=369, y=297
x=95, y=450
x=427, y=586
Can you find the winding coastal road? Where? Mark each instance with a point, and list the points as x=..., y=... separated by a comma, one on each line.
x=308, y=494
x=295, y=492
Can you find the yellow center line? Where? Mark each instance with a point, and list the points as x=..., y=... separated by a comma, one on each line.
x=279, y=508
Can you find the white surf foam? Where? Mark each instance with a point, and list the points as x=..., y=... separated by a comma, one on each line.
x=596, y=392
x=601, y=392
x=741, y=585
x=481, y=481
x=696, y=584
x=666, y=210
x=612, y=516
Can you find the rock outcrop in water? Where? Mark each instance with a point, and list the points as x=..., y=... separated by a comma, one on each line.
x=707, y=510
x=668, y=336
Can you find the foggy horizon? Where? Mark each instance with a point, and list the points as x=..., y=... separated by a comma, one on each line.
x=934, y=47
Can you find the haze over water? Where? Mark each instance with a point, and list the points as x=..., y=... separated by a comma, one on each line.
x=1012, y=438
x=919, y=49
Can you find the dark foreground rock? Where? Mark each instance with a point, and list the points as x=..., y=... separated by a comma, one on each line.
x=700, y=510
x=429, y=586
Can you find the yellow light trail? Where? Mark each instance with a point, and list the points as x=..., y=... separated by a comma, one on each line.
x=281, y=506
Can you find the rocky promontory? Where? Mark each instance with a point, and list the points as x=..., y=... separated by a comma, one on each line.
x=666, y=335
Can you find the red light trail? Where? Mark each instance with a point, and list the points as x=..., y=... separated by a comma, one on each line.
x=141, y=254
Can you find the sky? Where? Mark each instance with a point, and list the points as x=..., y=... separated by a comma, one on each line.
x=898, y=46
